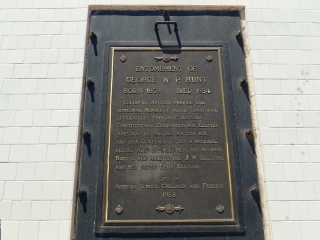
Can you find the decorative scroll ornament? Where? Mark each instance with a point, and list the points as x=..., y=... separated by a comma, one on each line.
x=166, y=58
x=123, y=58
x=119, y=209
x=209, y=58
x=220, y=208
x=169, y=209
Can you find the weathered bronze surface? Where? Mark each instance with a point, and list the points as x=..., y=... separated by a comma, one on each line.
x=167, y=156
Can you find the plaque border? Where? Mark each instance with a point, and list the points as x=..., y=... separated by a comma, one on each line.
x=236, y=228
x=227, y=221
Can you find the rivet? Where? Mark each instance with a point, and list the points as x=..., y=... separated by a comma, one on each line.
x=93, y=35
x=239, y=35
x=82, y=192
x=90, y=83
x=249, y=134
x=244, y=83
x=254, y=190
x=86, y=134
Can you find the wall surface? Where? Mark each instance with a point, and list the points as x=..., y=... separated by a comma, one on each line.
x=41, y=66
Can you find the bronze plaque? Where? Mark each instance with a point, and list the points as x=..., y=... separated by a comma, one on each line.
x=168, y=158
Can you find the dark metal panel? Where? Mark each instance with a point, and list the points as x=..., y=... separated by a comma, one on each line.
x=136, y=28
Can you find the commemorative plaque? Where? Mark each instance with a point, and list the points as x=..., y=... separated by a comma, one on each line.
x=164, y=152
x=168, y=142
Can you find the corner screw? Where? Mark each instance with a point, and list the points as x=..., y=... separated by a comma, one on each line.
x=86, y=134
x=90, y=83
x=249, y=134
x=93, y=35
x=119, y=209
x=220, y=208
x=239, y=35
x=244, y=83
x=123, y=58
x=82, y=192
x=209, y=58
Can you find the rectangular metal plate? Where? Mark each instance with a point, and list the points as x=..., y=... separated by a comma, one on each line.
x=131, y=33
x=167, y=157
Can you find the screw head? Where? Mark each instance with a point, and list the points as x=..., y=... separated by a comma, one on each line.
x=209, y=58
x=220, y=208
x=123, y=58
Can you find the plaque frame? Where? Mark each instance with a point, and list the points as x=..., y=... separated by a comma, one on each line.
x=222, y=80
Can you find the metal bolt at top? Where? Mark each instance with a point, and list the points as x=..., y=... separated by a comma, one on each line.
x=165, y=13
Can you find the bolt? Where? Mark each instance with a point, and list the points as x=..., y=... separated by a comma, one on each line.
x=244, y=83
x=93, y=35
x=165, y=13
x=239, y=35
x=249, y=134
x=254, y=190
x=86, y=134
x=90, y=83
x=82, y=192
